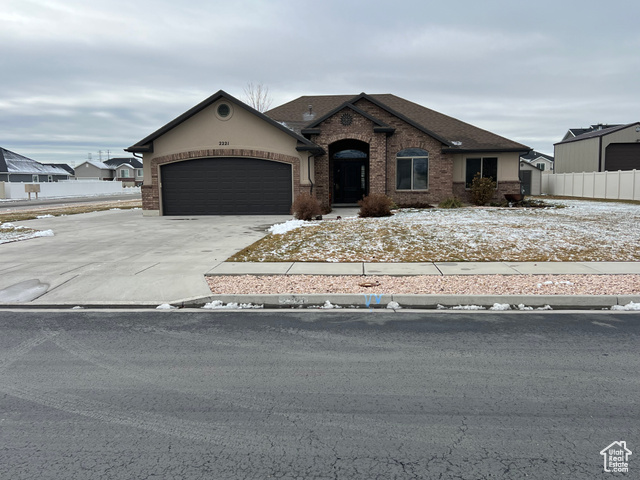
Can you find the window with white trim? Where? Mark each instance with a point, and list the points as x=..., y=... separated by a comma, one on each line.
x=412, y=169
x=540, y=166
x=124, y=173
x=487, y=167
x=139, y=172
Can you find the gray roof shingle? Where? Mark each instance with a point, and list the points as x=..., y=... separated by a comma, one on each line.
x=455, y=134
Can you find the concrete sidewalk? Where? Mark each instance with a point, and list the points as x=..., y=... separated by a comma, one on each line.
x=437, y=268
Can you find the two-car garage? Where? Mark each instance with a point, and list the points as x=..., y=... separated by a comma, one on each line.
x=226, y=186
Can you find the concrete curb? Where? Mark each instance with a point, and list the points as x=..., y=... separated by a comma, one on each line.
x=573, y=302
x=362, y=301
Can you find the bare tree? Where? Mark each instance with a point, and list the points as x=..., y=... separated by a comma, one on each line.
x=257, y=96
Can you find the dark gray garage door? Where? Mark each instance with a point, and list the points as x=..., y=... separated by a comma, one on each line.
x=226, y=186
x=622, y=156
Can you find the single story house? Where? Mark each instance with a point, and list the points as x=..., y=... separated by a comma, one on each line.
x=542, y=161
x=18, y=168
x=531, y=178
x=127, y=170
x=224, y=157
x=605, y=149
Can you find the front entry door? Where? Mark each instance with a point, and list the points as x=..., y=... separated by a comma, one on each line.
x=349, y=180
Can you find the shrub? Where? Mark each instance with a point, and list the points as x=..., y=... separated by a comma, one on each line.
x=451, y=202
x=306, y=207
x=482, y=189
x=375, y=205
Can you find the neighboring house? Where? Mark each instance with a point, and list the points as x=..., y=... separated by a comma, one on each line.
x=531, y=178
x=608, y=149
x=540, y=160
x=224, y=157
x=94, y=170
x=127, y=170
x=576, y=132
x=18, y=168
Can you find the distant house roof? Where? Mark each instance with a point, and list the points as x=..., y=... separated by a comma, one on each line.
x=64, y=166
x=11, y=162
x=97, y=164
x=598, y=133
x=116, y=162
x=533, y=155
x=304, y=113
x=576, y=132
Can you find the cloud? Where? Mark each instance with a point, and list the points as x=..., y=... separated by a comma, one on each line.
x=82, y=76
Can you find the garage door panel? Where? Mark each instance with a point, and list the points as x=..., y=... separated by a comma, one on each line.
x=226, y=186
x=622, y=156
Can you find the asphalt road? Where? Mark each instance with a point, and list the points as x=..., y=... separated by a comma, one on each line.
x=326, y=395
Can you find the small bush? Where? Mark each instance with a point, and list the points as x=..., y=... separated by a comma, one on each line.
x=375, y=205
x=306, y=207
x=451, y=202
x=482, y=190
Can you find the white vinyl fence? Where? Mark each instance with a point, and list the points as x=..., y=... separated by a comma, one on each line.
x=71, y=188
x=620, y=185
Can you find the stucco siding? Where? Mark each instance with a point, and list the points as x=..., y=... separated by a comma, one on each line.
x=242, y=130
x=508, y=163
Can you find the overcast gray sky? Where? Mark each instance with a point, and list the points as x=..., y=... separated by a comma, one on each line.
x=79, y=76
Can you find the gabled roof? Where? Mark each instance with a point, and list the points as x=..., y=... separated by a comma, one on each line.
x=97, y=164
x=63, y=166
x=11, y=162
x=576, y=132
x=533, y=155
x=116, y=162
x=146, y=144
x=455, y=135
x=598, y=133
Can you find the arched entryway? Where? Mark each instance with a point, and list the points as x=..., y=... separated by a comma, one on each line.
x=349, y=169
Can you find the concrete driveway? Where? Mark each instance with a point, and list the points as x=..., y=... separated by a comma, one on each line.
x=120, y=257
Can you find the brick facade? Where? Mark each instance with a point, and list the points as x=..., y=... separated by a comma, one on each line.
x=151, y=193
x=382, y=155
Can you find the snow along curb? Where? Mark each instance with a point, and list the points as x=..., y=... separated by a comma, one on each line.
x=572, y=302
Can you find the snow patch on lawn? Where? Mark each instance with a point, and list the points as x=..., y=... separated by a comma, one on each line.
x=282, y=228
